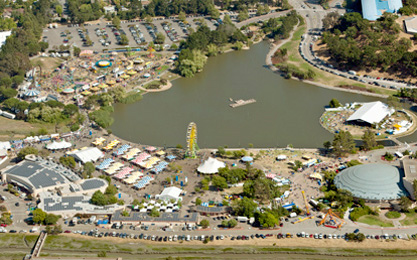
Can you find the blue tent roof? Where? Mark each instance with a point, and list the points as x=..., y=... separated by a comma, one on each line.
x=247, y=159
x=373, y=9
x=32, y=92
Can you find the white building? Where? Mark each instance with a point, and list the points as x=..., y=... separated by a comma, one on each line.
x=371, y=113
x=109, y=9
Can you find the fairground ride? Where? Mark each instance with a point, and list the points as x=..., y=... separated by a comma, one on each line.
x=191, y=141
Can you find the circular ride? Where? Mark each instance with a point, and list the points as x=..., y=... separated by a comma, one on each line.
x=103, y=63
x=191, y=141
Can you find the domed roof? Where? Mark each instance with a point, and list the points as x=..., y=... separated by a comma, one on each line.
x=371, y=181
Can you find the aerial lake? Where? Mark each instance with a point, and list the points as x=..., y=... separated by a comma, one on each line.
x=286, y=111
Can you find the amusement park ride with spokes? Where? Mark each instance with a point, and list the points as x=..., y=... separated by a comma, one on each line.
x=192, y=146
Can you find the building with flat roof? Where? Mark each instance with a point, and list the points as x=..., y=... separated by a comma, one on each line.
x=373, y=9
x=372, y=182
x=371, y=113
x=35, y=175
x=410, y=174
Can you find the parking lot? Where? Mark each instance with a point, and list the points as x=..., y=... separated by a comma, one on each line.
x=104, y=36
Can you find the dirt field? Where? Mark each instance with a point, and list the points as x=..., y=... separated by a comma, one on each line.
x=16, y=129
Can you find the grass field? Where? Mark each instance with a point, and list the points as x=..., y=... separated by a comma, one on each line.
x=410, y=219
x=374, y=221
x=15, y=246
x=322, y=77
x=19, y=129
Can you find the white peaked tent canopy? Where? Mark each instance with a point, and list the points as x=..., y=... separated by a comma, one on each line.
x=58, y=145
x=372, y=112
x=211, y=166
x=170, y=193
x=90, y=154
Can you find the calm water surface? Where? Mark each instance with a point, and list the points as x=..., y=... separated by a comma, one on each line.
x=286, y=111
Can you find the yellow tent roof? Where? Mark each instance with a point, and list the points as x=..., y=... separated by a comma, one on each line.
x=102, y=85
x=397, y=126
x=86, y=93
x=111, y=82
x=317, y=176
x=95, y=89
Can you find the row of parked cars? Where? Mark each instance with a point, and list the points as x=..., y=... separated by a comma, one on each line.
x=171, y=32
x=137, y=34
x=105, y=37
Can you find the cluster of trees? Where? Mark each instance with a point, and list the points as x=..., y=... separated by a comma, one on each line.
x=356, y=43
x=362, y=211
x=67, y=161
x=26, y=151
x=55, y=230
x=229, y=223
x=343, y=143
x=24, y=41
x=409, y=7
x=334, y=103
x=41, y=217
x=7, y=24
x=102, y=116
x=235, y=154
x=107, y=198
x=409, y=93
x=355, y=237
x=6, y=218
x=204, y=41
x=88, y=170
x=81, y=11
x=281, y=27
x=291, y=70
x=234, y=175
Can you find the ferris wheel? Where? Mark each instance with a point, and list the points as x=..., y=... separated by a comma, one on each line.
x=191, y=141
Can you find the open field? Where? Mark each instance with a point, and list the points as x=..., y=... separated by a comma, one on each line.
x=19, y=129
x=14, y=246
x=322, y=77
x=410, y=219
x=374, y=221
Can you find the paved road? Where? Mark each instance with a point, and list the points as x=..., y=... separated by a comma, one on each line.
x=313, y=15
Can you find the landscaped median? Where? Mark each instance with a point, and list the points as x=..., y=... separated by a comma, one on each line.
x=375, y=221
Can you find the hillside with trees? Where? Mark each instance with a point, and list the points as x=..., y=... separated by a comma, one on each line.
x=358, y=44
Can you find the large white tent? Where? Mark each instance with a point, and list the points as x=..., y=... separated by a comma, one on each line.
x=5, y=145
x=58, y=145
x=210, y=166
x=90, y=154
x=170, y=193
x=371, y=113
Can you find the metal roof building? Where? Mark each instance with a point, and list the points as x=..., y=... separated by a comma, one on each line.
x=371, y=113
x=37, y=175
x=373, y=9
x=372, y=182
x=90, y=154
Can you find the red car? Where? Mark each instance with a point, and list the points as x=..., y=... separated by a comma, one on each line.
x=67, y=231
x=3, y=225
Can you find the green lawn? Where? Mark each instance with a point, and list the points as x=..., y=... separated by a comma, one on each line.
x=410, y=219
x=374, y=221
x=153, y=85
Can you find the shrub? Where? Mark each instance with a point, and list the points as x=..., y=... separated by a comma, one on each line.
x=393, y=214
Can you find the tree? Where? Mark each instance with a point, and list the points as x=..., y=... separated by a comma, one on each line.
x=298, y=165
x=334, y=103
x=369, y=140
x=6, y=93
x=343, y=143
x=330, y=20
x=204, y=223
x=232, y=223
x=99, y=199
x=123, y=40
x=116, y=22
x=59, y=9
x=243, y=15
x=182, y=16
x=214, y=13
x=68, y=161
x=111, y=190
x=26, y=151
x=154, y=212
x=51, y=219
x=245, y=207
x=89, y=168
x=198, y=201
x=327, y=145
x=38, y=216
x=219, y=182
x=160, y=38
x=76, y=51
x=267, y=220
x=405, y=203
